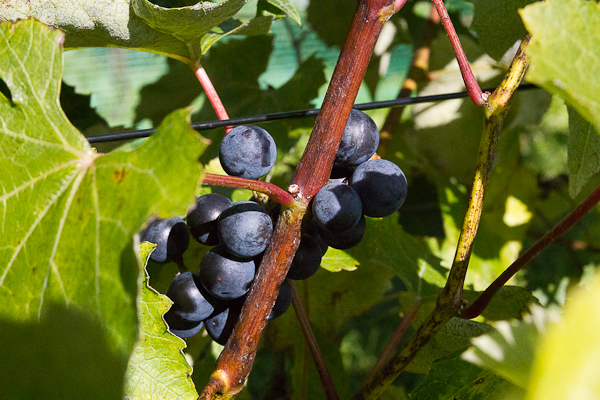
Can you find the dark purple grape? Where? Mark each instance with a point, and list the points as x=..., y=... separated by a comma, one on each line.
x=313, y=230
x=220, y=326
x=381, y=185
x=245, y=229
x=248, y=152
x=346, y=239
x=360, y=140
x=224, y=275
x=202, y=220
x=171, y=237
x=180, y=327
x=190, y=300
x=307, y=260
x=336, y=207
x=284, y=299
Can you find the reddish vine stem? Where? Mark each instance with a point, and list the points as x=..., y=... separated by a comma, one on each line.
x=212, y=95
x=235, y=362
x=273, y=191
x=475, y=93
x=484, y=299
x=311, y=341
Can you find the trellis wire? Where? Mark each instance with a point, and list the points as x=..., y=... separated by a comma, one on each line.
x=202, y=126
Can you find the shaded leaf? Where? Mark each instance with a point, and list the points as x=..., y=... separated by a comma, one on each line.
x=584, y=151
x=509, y=303
x=288, y=8
x=454, y=337
x=157, y=368
x=564, y=49
x=498, y=25
x=454, y=378
x=68, y=215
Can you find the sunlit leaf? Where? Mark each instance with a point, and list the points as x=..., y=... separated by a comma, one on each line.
x=157, y=368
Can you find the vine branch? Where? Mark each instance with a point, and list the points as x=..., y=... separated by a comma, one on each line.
x=475, y=93
x=273, y=191
x=236, y=359
x=212, y=95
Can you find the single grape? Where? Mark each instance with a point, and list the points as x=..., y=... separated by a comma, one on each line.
x=307, y=260
x=202, y=220
x=312, y=229
x=245, y=229
x=220, y=326
x=336, y=207
x=346, y=239
x=180, y=327
x=224, y=275
x=284, y=299
x=360, y=140
x=381, y=185
x=190, y=300
x=247, y=152
x=171, y=237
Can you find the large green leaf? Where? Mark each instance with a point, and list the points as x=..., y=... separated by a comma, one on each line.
x=68, y=214
x=183, y=33
x=157, y=368
x=584, y=152
x=498, y=25
x=565, y=52
x=566, y=363
x=509, y=350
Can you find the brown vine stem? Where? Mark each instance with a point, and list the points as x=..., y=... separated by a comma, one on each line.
x=311, y=341
x=235, y=362
x=417, y=74
x=273, y=191
x=484, y=299
x=475, y=93
x=449, y=301
x=212, y=95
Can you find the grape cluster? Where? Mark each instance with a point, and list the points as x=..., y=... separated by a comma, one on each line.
x=240, y=231
x=360, y=185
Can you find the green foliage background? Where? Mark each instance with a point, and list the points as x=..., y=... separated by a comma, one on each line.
x=76, y=295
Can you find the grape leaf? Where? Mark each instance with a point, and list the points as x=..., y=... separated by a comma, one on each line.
x=584, y=151
x=566, y=363
x=68, y=214
x=386, y=245
x=454, y=337
x=182, y=33
x=509, y=350
x=157, y=368
x=287, y=7
x=453, y=378
x=510, y=302
x=565, y=50
x=498, y=25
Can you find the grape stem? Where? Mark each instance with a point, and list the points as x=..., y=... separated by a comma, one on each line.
x=212, y=95
x=484, y=299
x=311, y=341
x=475, y=93
x=273, y=191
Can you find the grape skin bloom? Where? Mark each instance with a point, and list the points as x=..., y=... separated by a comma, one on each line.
x=247, y=151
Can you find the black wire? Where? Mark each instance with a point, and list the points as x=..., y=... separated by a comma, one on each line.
x=202, y=126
